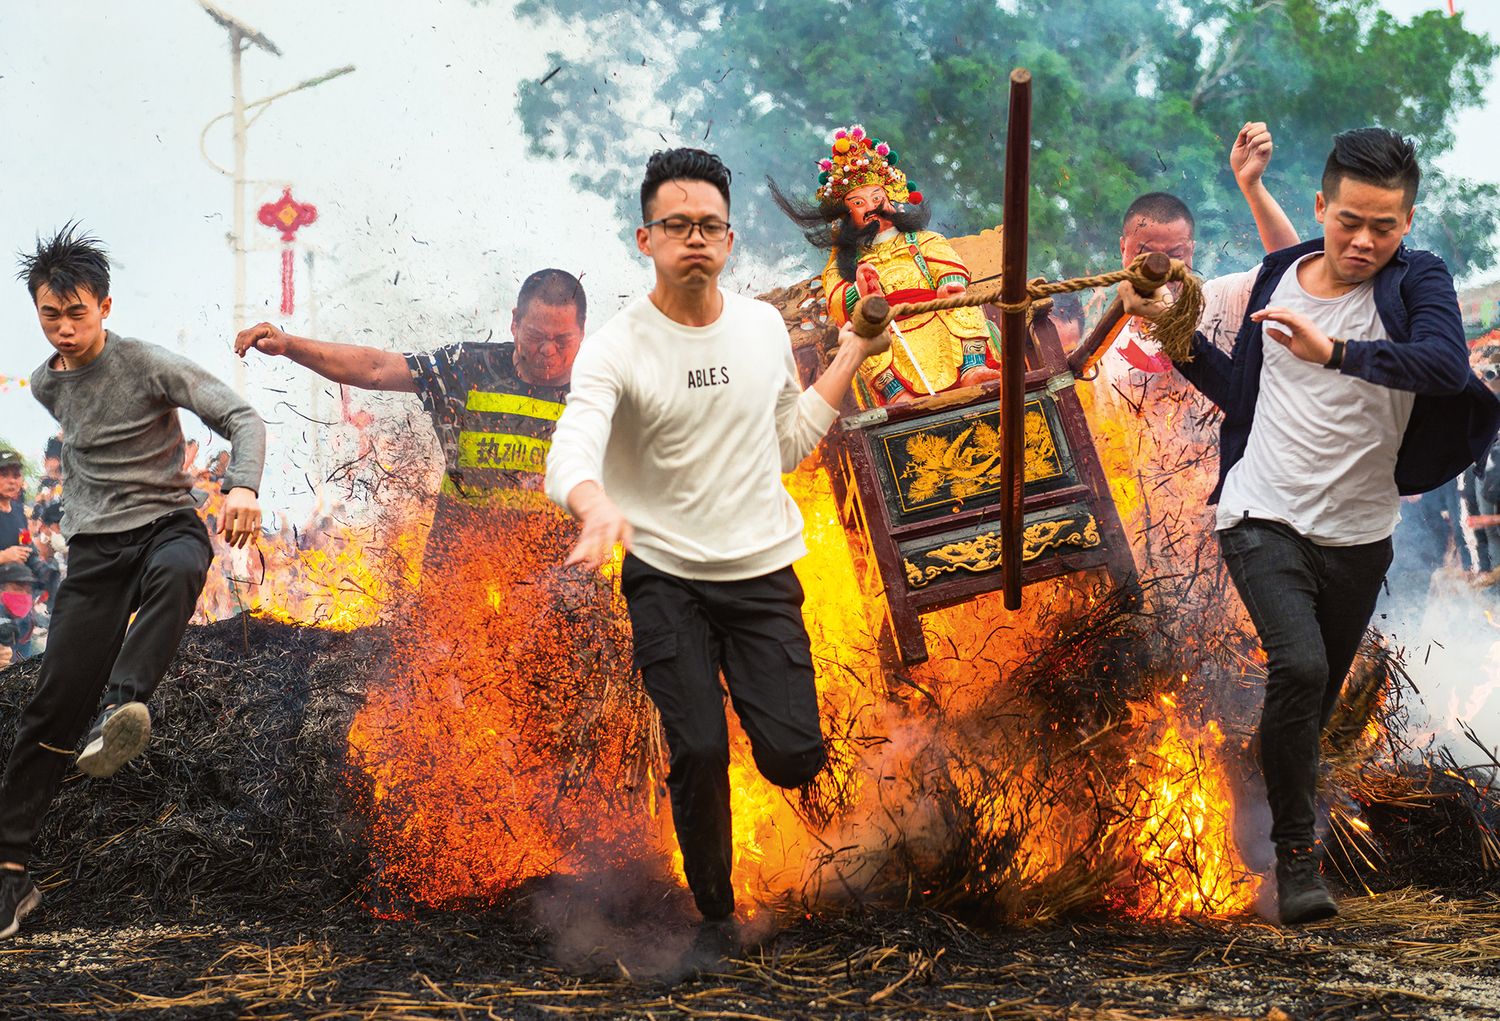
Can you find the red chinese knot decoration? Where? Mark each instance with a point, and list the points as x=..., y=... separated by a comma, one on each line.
x=286, y=215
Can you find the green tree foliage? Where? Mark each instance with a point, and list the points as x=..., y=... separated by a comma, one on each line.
x=1131, y=96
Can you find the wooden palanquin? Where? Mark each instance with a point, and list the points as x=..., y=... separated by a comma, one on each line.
x=918, y=484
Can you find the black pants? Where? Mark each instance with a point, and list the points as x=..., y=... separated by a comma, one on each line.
x=1310, y=605
x=157, y=572
x=686, y=632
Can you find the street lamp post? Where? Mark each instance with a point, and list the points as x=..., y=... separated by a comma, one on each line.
x=241, y=38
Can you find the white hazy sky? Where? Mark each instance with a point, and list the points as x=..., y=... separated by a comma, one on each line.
x=416, y=162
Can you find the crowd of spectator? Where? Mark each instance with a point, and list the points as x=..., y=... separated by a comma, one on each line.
x=1451, y=535
x=33, y=553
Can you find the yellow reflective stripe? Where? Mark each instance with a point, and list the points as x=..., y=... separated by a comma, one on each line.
x=514, y=404
x=504, y=451
x=512, y=499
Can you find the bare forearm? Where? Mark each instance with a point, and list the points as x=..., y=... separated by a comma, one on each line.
x=352, y=364
x=1275, y=227
x=835, y=381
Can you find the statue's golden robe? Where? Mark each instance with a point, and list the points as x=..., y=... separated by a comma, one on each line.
x=912, y=267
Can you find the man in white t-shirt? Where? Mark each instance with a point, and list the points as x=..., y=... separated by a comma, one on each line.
x=685, y=411
x=1365, y=395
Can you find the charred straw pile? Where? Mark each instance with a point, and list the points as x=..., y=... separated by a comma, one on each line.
x=1400, y=815
x=242, y=802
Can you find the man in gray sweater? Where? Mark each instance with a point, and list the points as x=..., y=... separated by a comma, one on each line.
x=136, y=543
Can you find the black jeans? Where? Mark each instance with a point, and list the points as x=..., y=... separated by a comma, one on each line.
x=155, y=571
x=1310, y=605
x=686, y=632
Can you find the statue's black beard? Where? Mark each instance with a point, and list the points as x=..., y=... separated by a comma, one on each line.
x=830, y=226
x=850, y=241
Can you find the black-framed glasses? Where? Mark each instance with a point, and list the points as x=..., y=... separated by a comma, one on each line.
x=680, y=228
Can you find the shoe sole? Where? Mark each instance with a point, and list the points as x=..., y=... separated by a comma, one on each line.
x=1315, y=913
x=29, y=903
x=125, y=736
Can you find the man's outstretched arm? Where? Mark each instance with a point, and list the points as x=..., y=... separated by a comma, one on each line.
x=351, y=364
x=575, y=462
x=803, y=416
x=1248, y=159
x=1209, y=368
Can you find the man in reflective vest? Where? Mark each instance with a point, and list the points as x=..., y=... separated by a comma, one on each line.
x=493, y=406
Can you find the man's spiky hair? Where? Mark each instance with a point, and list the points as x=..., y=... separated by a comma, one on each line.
x=1377, y=156
x=682, y=165
x=70, y=261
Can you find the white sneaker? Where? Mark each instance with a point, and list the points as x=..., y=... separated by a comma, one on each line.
x=119, y=735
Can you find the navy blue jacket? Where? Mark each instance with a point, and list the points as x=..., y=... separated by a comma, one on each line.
x=1454, y=417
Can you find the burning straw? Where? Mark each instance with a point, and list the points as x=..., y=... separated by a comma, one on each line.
x=1089, y=752
x=949, y=789
x=505, y=736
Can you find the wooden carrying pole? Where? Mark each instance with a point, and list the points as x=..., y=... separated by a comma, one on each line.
x=1013, y=334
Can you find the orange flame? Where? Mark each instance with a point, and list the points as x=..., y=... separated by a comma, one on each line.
x=1181, y=826
x=334, y=574
x=506, y=738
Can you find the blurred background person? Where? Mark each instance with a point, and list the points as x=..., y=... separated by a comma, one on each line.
x=15, y=528
x=17, y=623
x=1484, y=483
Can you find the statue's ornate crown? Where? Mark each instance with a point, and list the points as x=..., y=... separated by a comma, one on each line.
x=858, y=160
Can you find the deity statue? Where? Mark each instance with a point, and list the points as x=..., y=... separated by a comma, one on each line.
x=873, y=222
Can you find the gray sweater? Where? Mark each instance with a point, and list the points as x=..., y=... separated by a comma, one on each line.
x=122, y=443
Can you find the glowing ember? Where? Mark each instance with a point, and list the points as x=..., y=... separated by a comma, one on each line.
x=1039, y=762
x=505, y=740
x=508, y=740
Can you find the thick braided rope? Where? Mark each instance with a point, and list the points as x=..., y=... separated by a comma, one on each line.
x=1173, y=330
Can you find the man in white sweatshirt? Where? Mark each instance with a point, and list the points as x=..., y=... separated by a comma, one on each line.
x=685, y=411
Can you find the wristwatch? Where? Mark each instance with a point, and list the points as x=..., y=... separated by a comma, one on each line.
x=1336, y=358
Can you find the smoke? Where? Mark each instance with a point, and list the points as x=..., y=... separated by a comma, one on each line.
x=1451, y=642
x=631, y=919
